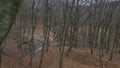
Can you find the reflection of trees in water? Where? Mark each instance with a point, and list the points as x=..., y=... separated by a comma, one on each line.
x=69, y=22
x=37, y=46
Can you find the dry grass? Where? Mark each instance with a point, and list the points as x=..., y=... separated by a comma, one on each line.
x=79, y=58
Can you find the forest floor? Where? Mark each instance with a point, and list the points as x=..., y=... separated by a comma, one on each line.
x=79, y=58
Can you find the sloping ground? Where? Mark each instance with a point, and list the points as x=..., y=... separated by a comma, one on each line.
x=84, y=57
x=79, y=58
